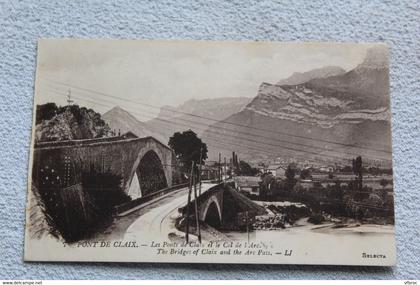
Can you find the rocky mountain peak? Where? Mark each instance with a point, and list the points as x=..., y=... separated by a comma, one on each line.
x=267, y=90
x=302, y=77
x=119, y=114
x=376, y=58
x=120, y=120
x=116, y=110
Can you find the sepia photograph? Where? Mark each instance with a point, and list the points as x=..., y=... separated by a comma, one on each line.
x=211, y=152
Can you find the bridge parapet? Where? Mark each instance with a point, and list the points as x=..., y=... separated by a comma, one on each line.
x=128, y=207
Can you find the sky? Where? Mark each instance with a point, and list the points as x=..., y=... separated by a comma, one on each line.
x=142, y=75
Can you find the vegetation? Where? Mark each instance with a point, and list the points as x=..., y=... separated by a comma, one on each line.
x=384, y=182
x=372, y=170
x=246, y=170
x=268, y=183
x=69, y=122
x=46, y=112
x=316, y=218
x=330, y=196
x=188, y=147
x=290, y=177
x=105, y=190
x=305, y=174
x=75, y=212
x=358, y=171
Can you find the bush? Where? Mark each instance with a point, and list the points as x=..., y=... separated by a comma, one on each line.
x=105, y=190
x=45, y=112
x=316, y=219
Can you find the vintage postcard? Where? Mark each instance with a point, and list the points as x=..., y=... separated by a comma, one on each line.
x=211, y=152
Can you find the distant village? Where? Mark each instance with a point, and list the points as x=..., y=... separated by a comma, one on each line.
x=333, y=190
x=307, y=173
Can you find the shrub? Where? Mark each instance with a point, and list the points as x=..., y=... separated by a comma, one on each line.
x=316, y=218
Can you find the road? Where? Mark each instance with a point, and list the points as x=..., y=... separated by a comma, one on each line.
x=154, y=219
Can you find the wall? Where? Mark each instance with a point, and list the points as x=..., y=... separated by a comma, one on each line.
x=393, y=22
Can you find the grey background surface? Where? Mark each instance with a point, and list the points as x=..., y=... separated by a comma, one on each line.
x=23, y=22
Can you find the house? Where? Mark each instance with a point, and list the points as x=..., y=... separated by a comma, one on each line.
x=276, y=170
x=248, y=184
x=209, y=172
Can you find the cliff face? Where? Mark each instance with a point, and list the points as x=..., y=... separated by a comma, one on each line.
x=351, y=108
x=72, y=122
x=303, y=104
x=367, y=84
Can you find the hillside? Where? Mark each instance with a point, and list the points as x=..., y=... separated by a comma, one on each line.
x=367, y=84
x=192, y=114
x=68, y=123
x=120, y=120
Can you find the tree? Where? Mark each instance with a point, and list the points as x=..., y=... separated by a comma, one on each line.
x=346, y=168
x=383, y=183
x=338, y=192
x=187, y=146
x=246, y=170
x=290, y=177
x=267, y=185
x=305, y=174
x=358, y=170
x=45, y=112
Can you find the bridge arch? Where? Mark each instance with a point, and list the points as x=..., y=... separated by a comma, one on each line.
x=148, y=174
x=134, y=190
x=212, y=213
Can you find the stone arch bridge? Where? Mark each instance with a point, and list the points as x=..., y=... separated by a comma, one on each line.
x=62, y=164
x=223, y=207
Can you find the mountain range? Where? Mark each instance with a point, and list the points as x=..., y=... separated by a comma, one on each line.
x=327, y=117
x=325, y=114
x=196, y=115
x=121, y=121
